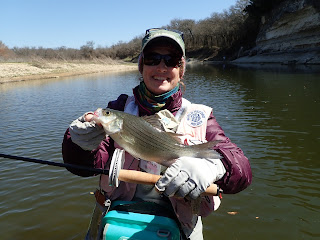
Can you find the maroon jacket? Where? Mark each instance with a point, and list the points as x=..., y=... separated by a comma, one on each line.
x=238, y=172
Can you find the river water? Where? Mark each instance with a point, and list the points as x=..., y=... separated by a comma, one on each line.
x=272, y=114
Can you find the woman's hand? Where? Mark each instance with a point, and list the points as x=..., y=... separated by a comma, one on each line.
x=86, y=133
x=88, y=116
x=190, y=176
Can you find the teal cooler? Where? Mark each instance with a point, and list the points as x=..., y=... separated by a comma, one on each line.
x=119, y=225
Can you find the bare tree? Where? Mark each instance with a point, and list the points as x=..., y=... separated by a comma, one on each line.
x=5, y=52
x=186, y=26
x=87, y=50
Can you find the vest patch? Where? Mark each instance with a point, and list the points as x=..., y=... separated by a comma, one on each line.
x=196, y=118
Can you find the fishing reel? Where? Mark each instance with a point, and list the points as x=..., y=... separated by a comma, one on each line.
x=116, y=165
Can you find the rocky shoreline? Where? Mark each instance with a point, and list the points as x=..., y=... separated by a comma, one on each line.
x=289, y=35
x=16, y=72
x=283, y=58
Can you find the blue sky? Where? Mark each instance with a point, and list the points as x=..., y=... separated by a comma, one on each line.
x=71, y=23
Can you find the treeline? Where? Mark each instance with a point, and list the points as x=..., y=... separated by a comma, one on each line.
x=221, y=34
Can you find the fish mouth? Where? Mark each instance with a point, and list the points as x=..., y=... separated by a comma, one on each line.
x=98, y=112
x=96, y=116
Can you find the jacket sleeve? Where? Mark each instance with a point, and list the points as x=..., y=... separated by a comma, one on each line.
x=238, y=171
x=97, y=158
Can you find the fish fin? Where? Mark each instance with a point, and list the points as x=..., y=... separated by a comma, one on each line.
x=175, y=136
x=163, y=120
x=127, y=138
x=211, y=144
x=204, y=150
x=154, y=121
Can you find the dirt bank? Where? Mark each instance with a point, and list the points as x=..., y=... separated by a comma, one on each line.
x=13, y=72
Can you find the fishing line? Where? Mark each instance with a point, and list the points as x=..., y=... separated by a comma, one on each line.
x=56, y=164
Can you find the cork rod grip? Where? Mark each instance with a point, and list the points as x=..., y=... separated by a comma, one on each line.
x=138, y=177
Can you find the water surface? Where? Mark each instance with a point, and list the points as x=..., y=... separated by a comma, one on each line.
x=272, y=114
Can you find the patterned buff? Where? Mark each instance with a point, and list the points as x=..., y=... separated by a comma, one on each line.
x=152, y=102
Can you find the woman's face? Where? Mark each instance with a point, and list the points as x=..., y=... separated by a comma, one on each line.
x=160, y=79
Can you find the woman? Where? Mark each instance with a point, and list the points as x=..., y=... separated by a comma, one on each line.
x=162, y=65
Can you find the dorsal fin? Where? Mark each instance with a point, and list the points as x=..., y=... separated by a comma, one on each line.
x=163, y=120
x=154, y=121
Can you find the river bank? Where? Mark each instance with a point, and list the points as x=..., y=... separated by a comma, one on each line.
x=24, y=71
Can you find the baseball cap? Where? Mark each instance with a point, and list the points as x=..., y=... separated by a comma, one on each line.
x=157, y=33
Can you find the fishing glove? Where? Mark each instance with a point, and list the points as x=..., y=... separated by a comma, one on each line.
x=190, y=176
x=87, y=135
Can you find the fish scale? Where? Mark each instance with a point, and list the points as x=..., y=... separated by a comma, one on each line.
x=144, y=140
x=143, y=136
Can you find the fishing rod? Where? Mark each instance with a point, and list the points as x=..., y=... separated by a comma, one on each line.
x=131, y=176
x=56, y=164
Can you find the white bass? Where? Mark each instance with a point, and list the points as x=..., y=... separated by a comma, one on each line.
x=143, y=141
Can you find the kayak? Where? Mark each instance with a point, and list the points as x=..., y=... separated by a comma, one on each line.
x=127, y=220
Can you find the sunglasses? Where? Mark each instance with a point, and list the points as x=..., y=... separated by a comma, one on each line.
x=154, y=59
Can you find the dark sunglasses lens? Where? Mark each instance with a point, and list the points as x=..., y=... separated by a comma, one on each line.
x=151, y=59
x=155, y=59
x=172, y=61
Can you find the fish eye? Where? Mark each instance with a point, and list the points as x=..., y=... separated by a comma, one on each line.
x=108, y=113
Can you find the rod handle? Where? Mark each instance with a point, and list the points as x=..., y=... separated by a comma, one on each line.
x=133, y=176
